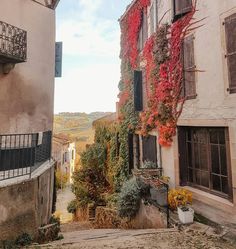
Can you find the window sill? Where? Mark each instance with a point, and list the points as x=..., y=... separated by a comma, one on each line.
x=202, y=196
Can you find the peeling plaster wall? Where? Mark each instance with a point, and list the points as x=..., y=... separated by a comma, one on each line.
x=26, y=93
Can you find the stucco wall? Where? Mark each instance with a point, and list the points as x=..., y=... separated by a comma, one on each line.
x=214, y=106
x=26, y=206
x=26, y=93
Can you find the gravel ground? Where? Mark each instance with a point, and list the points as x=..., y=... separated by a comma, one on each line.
x=139, y=239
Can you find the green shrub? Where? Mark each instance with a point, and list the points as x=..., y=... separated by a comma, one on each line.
x=94, y=156
x=129, y=199
x=72, y=207
x=24, y=240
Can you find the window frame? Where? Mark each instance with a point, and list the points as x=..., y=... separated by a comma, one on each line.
x=180, y=15
x=184, y=164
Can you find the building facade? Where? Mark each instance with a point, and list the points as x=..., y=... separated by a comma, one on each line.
x=201, y=155
x=27, y=61
x=64, y=153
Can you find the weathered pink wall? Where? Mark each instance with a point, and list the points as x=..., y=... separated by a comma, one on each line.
x=27, y=92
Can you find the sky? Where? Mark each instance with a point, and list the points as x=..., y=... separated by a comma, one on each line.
x=90, y=33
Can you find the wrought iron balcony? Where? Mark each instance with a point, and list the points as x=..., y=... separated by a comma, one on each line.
x=21, y=154
x=13, y=44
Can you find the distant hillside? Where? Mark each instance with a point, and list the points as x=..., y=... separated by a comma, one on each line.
x=77, y=126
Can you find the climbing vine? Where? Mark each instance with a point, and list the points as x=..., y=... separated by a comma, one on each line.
x=164, y=72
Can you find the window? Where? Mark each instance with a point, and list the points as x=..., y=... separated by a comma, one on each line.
x=181, y=7
x=230, y=31
x=138, y=91
x=143, y=32
x=204, y=162
x=150, y=148
x=189, y=84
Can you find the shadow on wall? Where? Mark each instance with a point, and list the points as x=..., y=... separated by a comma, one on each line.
x=23, y=99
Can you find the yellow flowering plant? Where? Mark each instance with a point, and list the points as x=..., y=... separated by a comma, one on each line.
x=179, y=198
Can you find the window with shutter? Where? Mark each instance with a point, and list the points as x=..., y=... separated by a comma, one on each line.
x=138, y=91
x=181, y=7
x=230, y=30
x=189, y=84
x=149, y=149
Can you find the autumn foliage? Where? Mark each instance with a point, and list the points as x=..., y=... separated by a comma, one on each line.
x=164, y=70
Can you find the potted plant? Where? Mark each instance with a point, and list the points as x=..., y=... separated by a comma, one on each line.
x=181, y=199
x=185, y=214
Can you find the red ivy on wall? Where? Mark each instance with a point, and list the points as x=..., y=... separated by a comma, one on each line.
x=163, y=79
x=130, y=29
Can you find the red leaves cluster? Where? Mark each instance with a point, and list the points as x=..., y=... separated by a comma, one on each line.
x=163, y=82
x=130, y=27
x=165, y=101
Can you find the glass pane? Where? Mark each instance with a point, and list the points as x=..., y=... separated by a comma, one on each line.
x=205, y=179
x=196, y=156
x=189, y=155
x=195, y=136
x=225, y=188
x=215, y=159
x=203, y=157
x=216, y=183
x=223, y=161
x=213, y=136
x=190, y=175
x=222, y=136
x=189, y=135
x=202, y=138
x=198, y=177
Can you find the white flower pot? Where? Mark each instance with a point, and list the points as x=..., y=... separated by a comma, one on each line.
x=186, y=216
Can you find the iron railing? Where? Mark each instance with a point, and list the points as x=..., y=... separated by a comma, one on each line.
x=13, y=44
x=21, y=154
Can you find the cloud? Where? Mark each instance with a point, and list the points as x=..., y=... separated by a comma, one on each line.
x=88, y=89
x=86, y=38
x=87, y=33
x=91, y=44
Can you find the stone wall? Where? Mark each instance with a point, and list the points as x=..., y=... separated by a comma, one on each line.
x=25, y=206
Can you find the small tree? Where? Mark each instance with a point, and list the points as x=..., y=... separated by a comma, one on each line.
x=90, y=181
